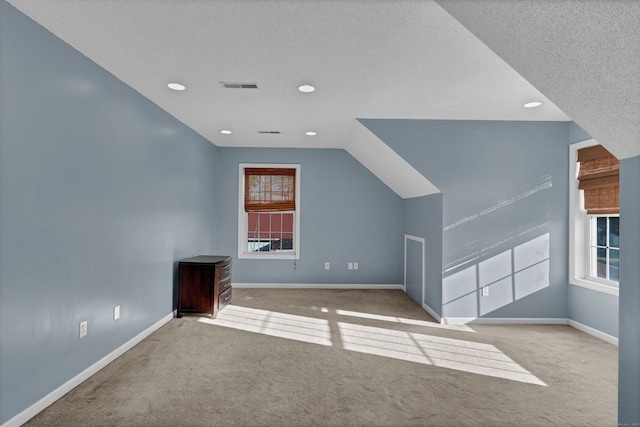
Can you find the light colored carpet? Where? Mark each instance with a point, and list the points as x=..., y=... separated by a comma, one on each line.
x=346, y=358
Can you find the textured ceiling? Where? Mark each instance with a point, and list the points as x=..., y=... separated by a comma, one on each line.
x=382, y=59
x=582, y=54
x=368, y=59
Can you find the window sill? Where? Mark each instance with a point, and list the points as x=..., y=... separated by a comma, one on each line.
x=266, y=256
x=595, y=286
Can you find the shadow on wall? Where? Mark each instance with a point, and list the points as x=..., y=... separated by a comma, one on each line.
x=511, y=265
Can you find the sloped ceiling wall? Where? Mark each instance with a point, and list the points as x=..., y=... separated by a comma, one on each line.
x=584, y=55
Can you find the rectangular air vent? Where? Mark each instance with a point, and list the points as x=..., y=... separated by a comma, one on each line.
x=272, y=132
x=229, y=85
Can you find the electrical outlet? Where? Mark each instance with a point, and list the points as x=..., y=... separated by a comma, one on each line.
x=350, y=266
x=485, y=291
x=83, y=328
x=327, y=265
x=116, y=312
x=355, y=265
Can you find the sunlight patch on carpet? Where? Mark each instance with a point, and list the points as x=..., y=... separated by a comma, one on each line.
x=281, y=325
x=404, y=320
x=450, y=353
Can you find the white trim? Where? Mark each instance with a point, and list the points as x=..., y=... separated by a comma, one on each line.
x=404, y=281
x=595, y=286
x=594, y=332
x=317, y=286
x=529, y=321
x=56, y=394
x=578, y=224
x=242, y=226
x=504, y=321
x=432, y=313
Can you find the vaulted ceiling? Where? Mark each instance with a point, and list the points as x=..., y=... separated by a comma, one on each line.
x=419, y=59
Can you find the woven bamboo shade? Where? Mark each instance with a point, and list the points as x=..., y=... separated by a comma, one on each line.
x=599, y=177
x=269, y=189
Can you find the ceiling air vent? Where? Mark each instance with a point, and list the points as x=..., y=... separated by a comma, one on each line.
x=228, y=85
x=272, y=132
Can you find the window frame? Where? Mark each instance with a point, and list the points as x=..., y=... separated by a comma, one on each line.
x=592, y=243
x=243, y=252
x=579, y=231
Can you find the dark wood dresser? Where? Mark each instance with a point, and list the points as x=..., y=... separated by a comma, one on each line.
x=204, y=285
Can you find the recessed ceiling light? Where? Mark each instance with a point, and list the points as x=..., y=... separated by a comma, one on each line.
x=533, y=104
x=311, y=133
x=226, y=132
x=176, y=86
x=306, y=88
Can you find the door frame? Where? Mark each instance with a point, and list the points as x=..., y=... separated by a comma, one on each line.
x=421, y=240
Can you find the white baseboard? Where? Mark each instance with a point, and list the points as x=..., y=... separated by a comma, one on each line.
x=503, y=321
x=56, y=394
x=316, y=286
x=594, y=332
x=432, y=313
x=529, y=321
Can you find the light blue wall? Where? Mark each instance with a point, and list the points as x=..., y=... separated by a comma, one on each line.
x=100, y=193
x=347, y=214
x=577, y=134
x=629, y=351
x=423, y=218
x=594, y=309
x=505, y=210
x=588, y=307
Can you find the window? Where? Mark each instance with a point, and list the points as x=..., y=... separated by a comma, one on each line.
x=270, y=232
x=268, y=211
x=604, y=247
x=599, y=177
x=594, y=215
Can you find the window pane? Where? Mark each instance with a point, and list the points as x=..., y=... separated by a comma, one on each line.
x=287, y=222
x=276, y=234
x=265, y=246
x=614, y=264
x=276, y=223
x=265, y=225
x=601, y=232
x=252, y=222
x=270, y=245
x=614, y=232
x=601, y=263
x=287, y=241
x=256, y=245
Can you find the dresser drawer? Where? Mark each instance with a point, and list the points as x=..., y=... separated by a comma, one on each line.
x=223, y=270
x=224, y=299
x=224, y=284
